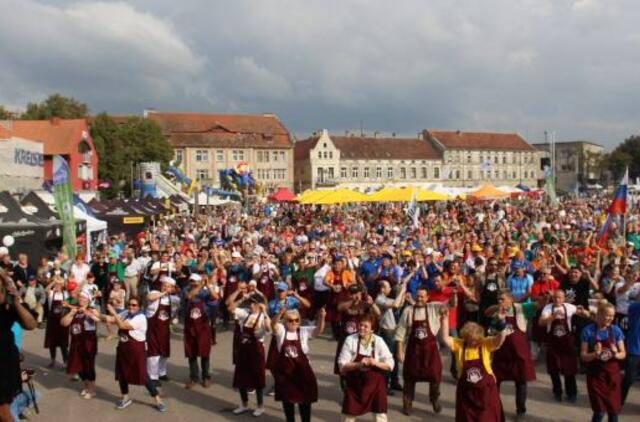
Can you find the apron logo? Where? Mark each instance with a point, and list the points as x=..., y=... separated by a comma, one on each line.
x=245, y=339
x=474, y=375
x=195, y=313
x=163, y=316
x=124, y=338
x=76, y=329
x=559, y=331
x=492, y=287
x=421, y=333
x=351, y=327
x=264, y=280
x=57, y=310
x=291, y=352
x=606, y=355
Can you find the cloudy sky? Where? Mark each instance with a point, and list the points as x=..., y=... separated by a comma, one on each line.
x=569, y=66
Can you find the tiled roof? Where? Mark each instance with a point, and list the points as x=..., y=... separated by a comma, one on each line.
x=479, y=140
x=223, y=130
x=59, y=136
x=368, y=148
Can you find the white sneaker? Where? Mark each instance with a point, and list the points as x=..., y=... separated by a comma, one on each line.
x=240, y=409
x=258, y=412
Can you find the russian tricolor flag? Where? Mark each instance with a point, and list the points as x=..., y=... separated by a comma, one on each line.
x=618, y=207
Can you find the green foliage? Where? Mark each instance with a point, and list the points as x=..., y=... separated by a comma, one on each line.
x=121, y=147
x=56, y=105
x=5, y=114
x=625, y=154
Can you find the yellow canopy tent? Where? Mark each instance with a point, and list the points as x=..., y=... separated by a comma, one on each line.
x=429, y=195
x=310, y=197
x=487, y=192
x=340, y=196
x=406, y=195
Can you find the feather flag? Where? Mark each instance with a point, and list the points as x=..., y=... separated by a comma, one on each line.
x=413, y=211
x=617, y=209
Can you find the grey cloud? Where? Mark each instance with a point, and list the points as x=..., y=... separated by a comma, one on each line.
x=528, y=66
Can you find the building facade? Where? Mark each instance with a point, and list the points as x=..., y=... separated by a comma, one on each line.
x=475, y=158
x=204, y=144
x=69, y=138
x=463, y=159
x=22, y=167
x=362, y=163
x=577, y=163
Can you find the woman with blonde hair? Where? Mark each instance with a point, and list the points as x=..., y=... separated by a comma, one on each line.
x=477, y=397
x=602, y=348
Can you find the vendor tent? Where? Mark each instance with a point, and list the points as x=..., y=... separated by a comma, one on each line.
x=282, y=195
x=35, y=205
x=487, y=192
x=341, y=196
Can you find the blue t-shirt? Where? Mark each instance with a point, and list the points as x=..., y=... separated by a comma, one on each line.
x=589, y=335
x=519, y=286
x=17, y=335
x=275, y=306
x=633, y=335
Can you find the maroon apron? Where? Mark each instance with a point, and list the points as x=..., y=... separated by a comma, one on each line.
x=56, y=335
x=83, y=348
x=265, y=286
x=604, y=379
x=477, y=397
x=197, y=333
x=512, y=361
x=348, y=326
x=249, y=369
x=562, y=357
x=295, y=380
x=422, y=358
x=158, y=332
x=366, y=389
x=131, y=358
x=539, y=332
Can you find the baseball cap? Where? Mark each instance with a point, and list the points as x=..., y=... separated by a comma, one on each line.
x=282, y=286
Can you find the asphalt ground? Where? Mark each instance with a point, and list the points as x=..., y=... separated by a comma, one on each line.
x=60, y=400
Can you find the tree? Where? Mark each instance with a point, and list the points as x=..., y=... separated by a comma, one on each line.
x=121, y=147
x=56, y=105
x=625, y=154
x=5, y=114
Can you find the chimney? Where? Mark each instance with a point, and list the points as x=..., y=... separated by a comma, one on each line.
x=55, y=121
x=147, y=111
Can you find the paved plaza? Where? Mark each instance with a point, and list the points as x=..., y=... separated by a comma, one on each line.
x=60, y=399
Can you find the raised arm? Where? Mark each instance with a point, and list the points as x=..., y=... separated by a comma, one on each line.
x=322, y=314
x=444, y=328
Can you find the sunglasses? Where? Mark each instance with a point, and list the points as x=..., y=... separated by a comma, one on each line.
x=293, y=320
x=134, y=304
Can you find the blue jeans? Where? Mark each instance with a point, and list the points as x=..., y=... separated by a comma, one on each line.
x=22, y=402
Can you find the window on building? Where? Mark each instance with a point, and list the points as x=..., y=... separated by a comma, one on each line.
x=495, y=159
x=283, y=156
x=319, y=154
x=179, y=154
x=468, y=158
x=504, y=159
x=274, y=156
x=469, y=175
x=330, y=174
x=326, y=155
x=436, y=172
x=343, y=172
x=202, y=174
x=457, y=174
x=403, y=173
x=354, y=172
x=390, y=172
x=202, y=155
x=496, y=174
x=259, y=156
x=331, y=155
x=219, y=155
x=378, y=172
x=238, y=155
x=414, y=173
x=423, y=172
x=504, y=174
x=366, y=173
x=513, y=159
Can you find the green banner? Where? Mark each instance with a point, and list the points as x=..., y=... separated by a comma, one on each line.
x=64, y=203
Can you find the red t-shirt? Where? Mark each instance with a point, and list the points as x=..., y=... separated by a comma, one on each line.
x=539, y=287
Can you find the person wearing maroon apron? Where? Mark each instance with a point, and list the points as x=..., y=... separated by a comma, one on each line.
x=266, y=275
x=364, y=361
x=249, y=357
x=336, y=280
x=295, y=379
x=56, y=335
x=351, y=311
x=197, y=332
x=601, y=348
x=421, y=361
x=81, y=323
x=159, y=330
x=131, y=354
x=477, y=396
x=562, y=357
x=512, y=362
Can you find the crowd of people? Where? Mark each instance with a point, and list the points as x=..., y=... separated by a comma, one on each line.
x=499, y=284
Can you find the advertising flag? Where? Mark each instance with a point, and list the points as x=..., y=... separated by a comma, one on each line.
x=617, y=209
x=63, y=197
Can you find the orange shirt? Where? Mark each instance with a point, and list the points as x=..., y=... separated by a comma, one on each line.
x=345, y=278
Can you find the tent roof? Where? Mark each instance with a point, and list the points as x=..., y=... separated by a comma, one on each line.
x=282, y=195
x=487, y=192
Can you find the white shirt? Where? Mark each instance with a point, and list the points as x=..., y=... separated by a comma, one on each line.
x=152, y=307
x=246, y=318
x=622, y=300
x=268, y=267
x=133, y=269
x=80, y=272
x=318, y=278
x=348, y=353
x=139, y=325
x=306, y=333
x=548, y=310
x=387, y=319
